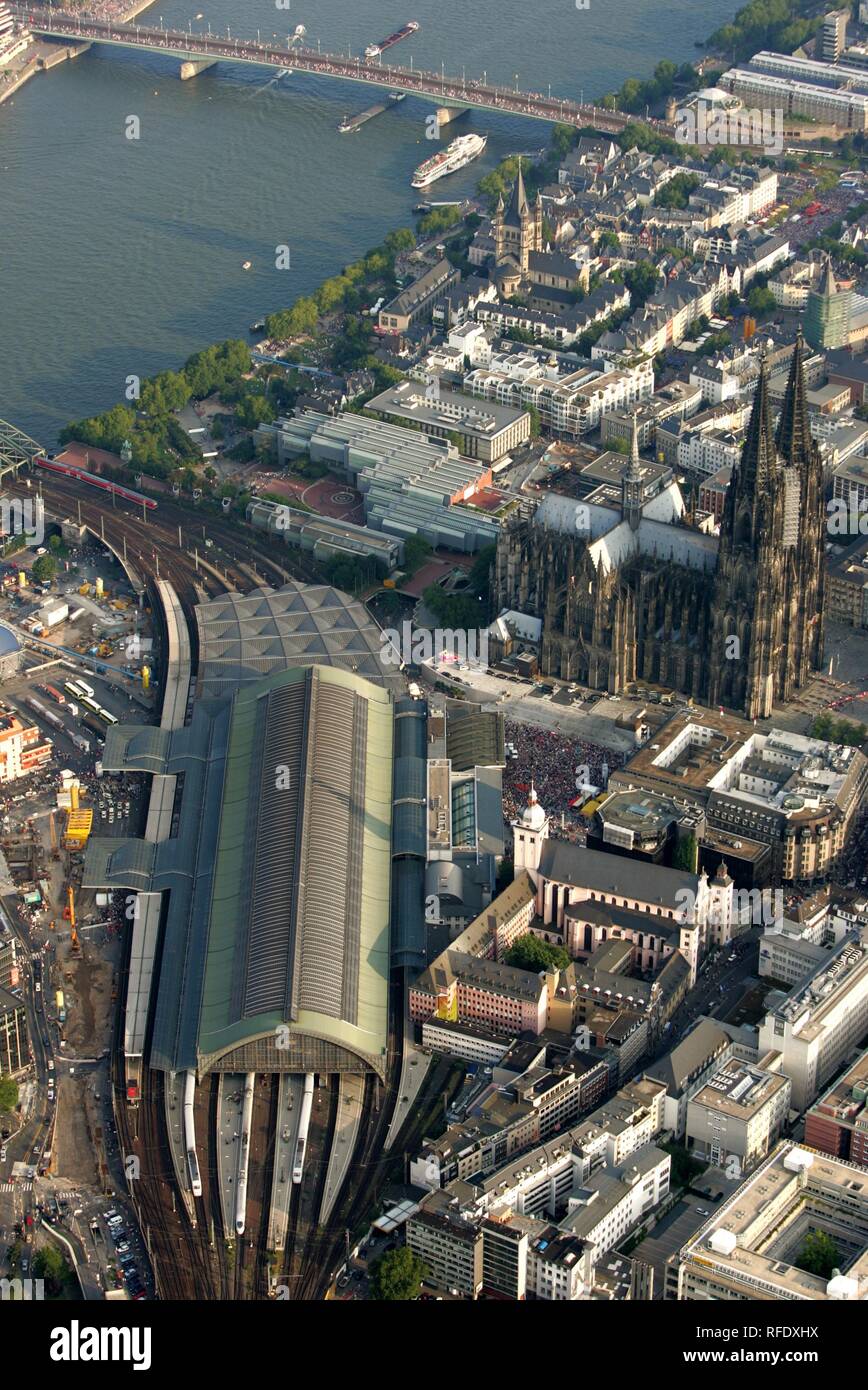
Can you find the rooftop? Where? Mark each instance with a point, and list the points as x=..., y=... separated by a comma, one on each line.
x=751, y=1242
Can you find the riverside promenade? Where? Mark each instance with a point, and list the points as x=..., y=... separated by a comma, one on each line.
x=41, y=55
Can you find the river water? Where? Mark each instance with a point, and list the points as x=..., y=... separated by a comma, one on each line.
x=122, y=257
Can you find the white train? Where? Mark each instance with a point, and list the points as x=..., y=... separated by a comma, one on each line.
x=303, y=1126
x=190, y=1134
x=244, y=1154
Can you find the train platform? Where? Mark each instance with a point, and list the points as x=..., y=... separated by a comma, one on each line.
x=351, y=1094
x=173, y=1100
x=289, y=1096
x=230, y=1096
x=414, y=1069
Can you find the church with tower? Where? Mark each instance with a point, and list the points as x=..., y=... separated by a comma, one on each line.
x=523, y=264
x=588, y=897
x=634, y=593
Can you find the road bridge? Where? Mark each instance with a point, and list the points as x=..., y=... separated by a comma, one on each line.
x=445, y=91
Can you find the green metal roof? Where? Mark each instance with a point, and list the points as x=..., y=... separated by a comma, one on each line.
x=298, y=934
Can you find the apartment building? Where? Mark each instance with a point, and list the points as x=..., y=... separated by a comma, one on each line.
x=615, y=1202
x=834, y=35
x=742, y=195
x=708, y=451
x=23, y=748
x=450, y=1245
x=417, y=300
x=14, y=1037
x=712, y=492
x=569, y=404
x=677, y=401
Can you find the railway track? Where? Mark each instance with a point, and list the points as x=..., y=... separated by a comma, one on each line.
x=322, y=1252
x=247, y=558
x=303, y=1234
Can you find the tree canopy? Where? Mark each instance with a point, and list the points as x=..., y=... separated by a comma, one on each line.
x=8, y=1094
x=44, y=568
x=49, y=1264
x=819, y=1255
x=397, y=1276
x=528, y=952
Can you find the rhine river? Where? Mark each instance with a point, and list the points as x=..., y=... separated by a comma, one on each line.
x=122, y=257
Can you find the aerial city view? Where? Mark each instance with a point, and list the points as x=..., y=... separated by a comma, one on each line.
x=433, y=665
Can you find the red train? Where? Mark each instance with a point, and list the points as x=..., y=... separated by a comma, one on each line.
x=72, y=470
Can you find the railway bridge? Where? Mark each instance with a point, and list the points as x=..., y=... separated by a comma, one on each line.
x=16, y=449
x=448, y=93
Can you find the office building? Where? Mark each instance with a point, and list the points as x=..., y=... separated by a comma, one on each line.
x=837, y=1122
x=14, y=1037
x=798, y=796
x=750, y=1247
x=484, y=433
x=827, y=315
x=845, y=108
x=739, y=1113
x=820, y=1021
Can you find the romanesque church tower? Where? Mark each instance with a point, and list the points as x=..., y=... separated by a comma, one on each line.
x=518, y=228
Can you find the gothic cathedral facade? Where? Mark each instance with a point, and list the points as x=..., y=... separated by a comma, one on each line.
x=742, y=629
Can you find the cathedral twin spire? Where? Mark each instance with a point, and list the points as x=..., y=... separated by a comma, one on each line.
x=764, y=451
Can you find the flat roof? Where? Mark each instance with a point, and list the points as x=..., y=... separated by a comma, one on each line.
x=451, y=410
x=771, y=1212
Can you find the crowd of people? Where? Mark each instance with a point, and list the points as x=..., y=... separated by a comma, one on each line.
x=558, y=767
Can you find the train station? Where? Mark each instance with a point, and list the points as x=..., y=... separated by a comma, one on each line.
x=275, y=939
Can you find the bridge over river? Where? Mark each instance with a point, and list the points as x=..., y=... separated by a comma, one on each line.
x=448, y=94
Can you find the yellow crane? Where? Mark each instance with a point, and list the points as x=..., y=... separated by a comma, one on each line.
x=69, y=914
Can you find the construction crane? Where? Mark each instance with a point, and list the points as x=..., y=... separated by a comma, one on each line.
x=69, y=914
x=55, y=851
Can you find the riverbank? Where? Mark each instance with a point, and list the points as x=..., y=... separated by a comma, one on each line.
x=42, y=55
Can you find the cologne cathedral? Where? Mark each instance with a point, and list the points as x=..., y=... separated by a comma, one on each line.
x=635, y=593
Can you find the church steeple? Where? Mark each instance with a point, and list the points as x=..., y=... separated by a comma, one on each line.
x=631, y=485
x=758, y=464
x=518, y=208
x=794, y=436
